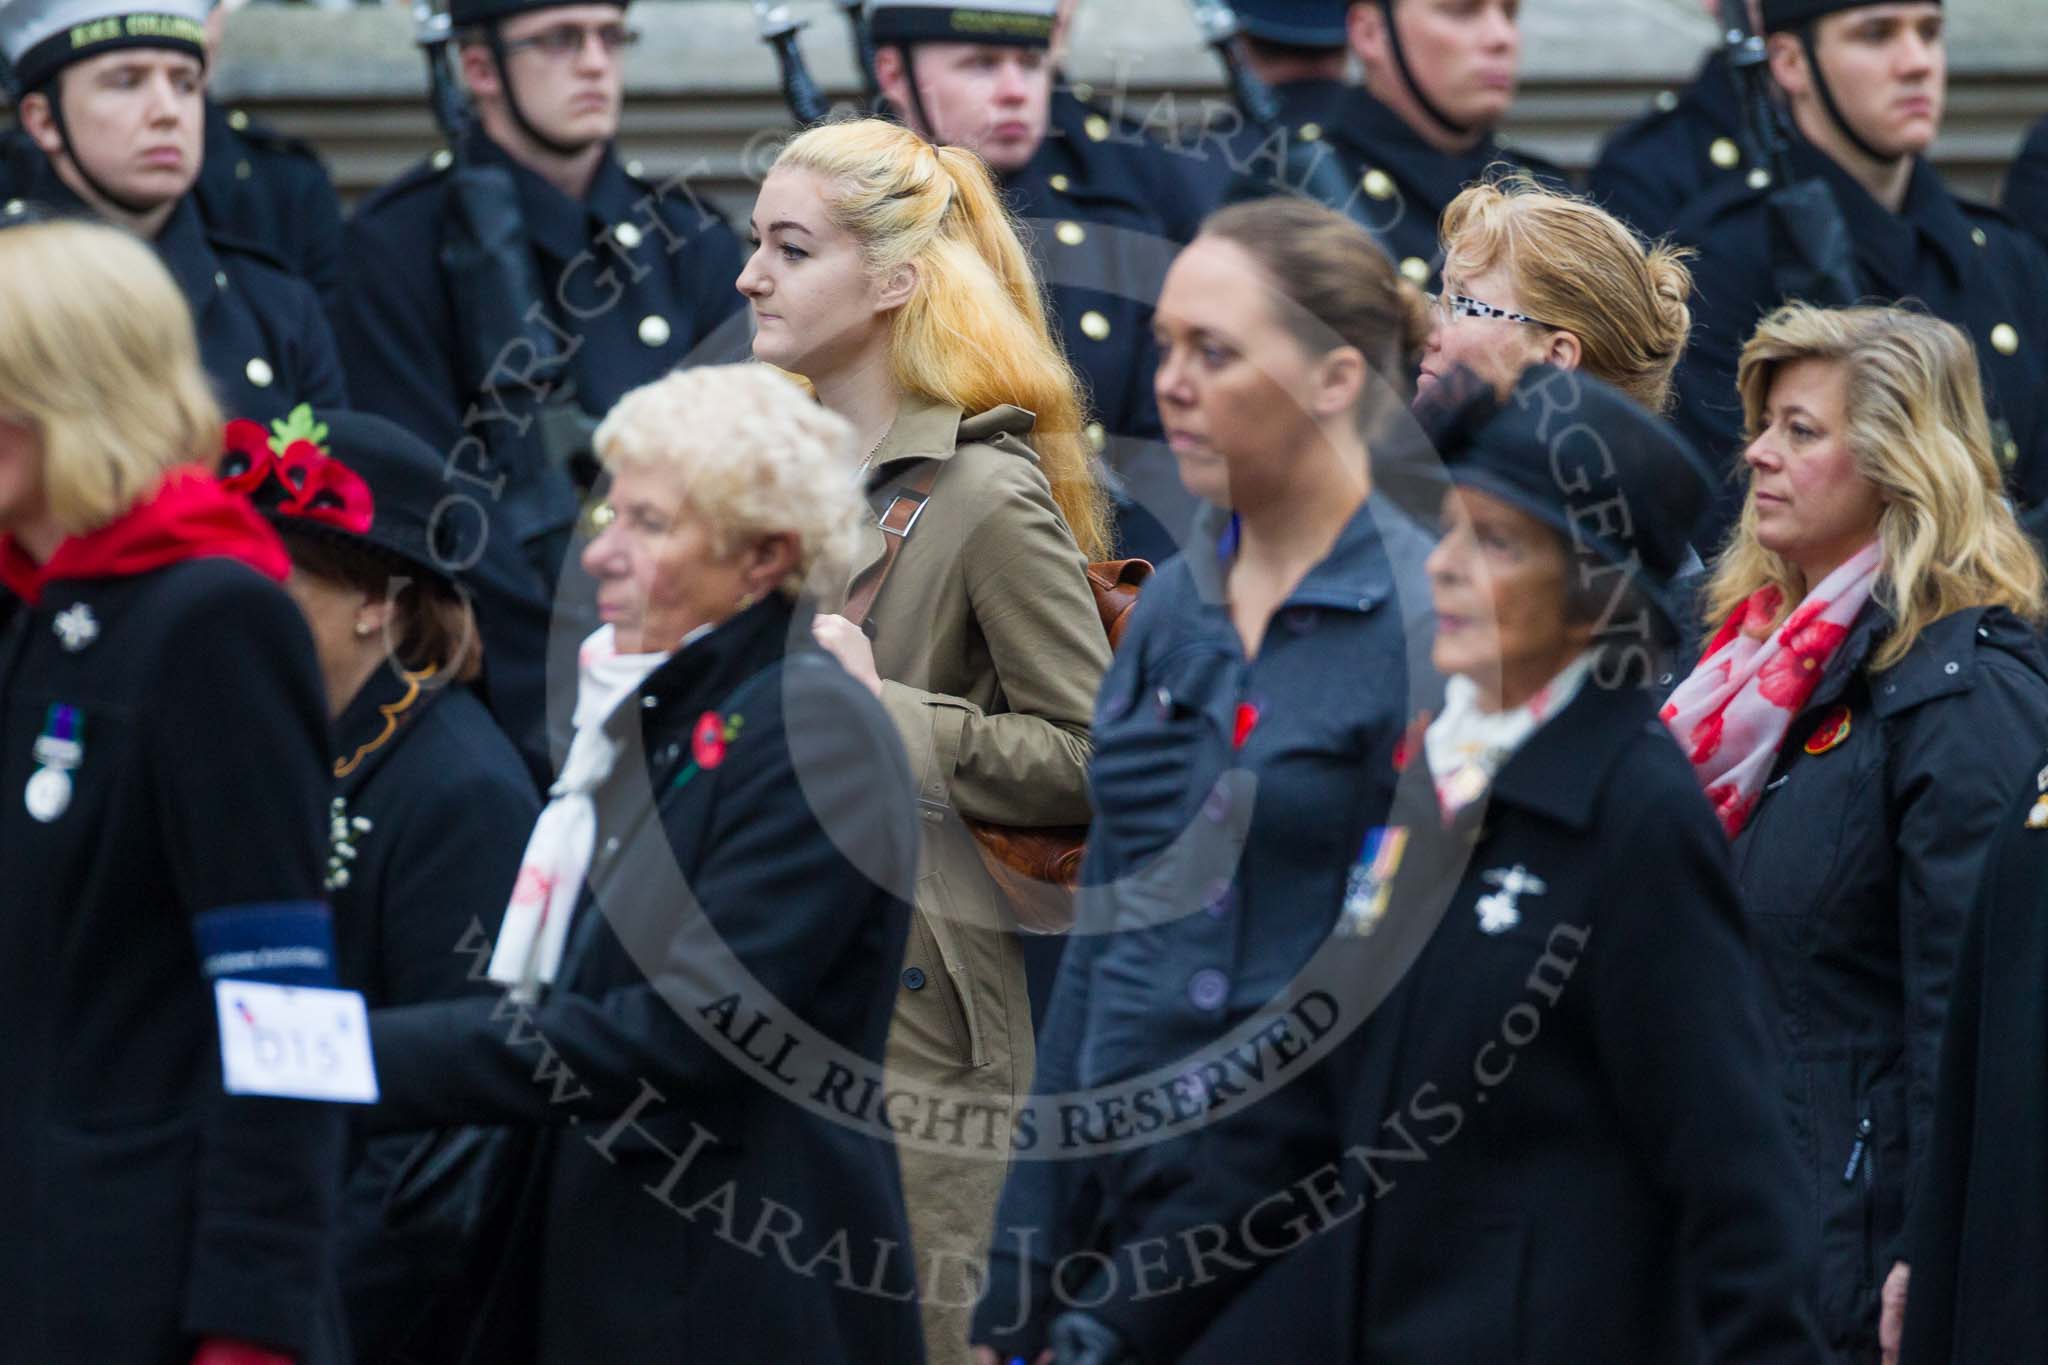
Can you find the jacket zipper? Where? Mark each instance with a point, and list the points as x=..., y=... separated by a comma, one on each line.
x=1858, y=1154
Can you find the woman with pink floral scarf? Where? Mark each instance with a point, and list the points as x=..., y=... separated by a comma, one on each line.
x=1871, y=694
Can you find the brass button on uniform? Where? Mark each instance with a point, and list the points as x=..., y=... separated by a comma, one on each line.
x=1310, y=132
x=1977, y=236
x=1378, y=184
x=1759, y=179
x=1666, y=101
x=635, y=169
x=1724, y=153
x=220, y=279
x=243, y=170
x=628, y=235
x=238, y=120
x=1070, y=233
x=1415, y=270
x=2011, y=452
x=443, y=159
x=1083, y=91
x=2005, y=339
x=1096, y=437
x=1094, y=326
x=1097, y=128
x=1058, y=182
x=259, y=372
x=654, y=330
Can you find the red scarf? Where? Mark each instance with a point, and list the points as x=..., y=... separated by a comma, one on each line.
x=188, y=516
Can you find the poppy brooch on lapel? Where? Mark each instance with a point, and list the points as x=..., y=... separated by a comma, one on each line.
x=1832, y=730
x=709, y=739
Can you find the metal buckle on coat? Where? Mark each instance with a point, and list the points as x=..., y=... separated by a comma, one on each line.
x=915, y=502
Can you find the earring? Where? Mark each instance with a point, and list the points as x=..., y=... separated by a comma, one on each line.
x=363, y=629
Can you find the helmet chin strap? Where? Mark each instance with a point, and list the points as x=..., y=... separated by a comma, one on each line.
x=496, y=43
x=1834, y=111
x=124, y=203
x=917, y=109
x=1422, y=99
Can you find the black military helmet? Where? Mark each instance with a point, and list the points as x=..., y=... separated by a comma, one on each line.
x=356, y=478
x=1618, y=483
x=1295, y=23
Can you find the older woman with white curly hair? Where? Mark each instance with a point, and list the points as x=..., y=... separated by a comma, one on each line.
x=733, y=822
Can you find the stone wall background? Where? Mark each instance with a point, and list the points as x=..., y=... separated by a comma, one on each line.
x=701, y=86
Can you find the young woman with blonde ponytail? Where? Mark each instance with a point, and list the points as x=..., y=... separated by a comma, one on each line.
x=887, y=273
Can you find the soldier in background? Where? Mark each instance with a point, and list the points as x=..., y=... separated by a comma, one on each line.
x=1439, y=75
x=1864, y=83
x=263, y=187
x=111, y=101
x=982, y=78
x=2026, y=184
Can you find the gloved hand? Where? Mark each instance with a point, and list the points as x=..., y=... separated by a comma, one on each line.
x=219, y=1351
x=1078, y=1339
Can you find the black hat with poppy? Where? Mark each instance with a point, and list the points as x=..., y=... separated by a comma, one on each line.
x=1619, y=483
x=347, y=476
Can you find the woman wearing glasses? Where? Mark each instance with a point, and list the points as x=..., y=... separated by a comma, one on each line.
x=1535, y=277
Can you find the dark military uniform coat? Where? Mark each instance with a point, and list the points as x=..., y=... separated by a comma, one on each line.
x=2026, y=184
x=788, y=840
x=1858, y=867
x=260, y=186
x=1103, y=241
x=145, y=1208
x=263, y=336
x=1548, y=1135
x=1981, y=1221
x=1257, y=833
x=1962, y=262
x=1656, y=167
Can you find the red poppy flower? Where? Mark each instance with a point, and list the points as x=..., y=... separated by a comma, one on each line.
x=707, y=741
x=246, y=460
x=295, y=466
x=1790, y=677
x=1706, y=737
x=1247, y=721
x=329, y=492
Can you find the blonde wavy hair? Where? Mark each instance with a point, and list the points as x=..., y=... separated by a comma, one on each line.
x=752, y=454
x=1917, y=430
x=1577, y=267
x=98, y=356
x=973, y=332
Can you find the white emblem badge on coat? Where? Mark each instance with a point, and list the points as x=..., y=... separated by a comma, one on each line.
x=76, y=627
x=1500, y=911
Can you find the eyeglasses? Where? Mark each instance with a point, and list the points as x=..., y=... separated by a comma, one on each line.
x=565, y=41
x=1448, y=306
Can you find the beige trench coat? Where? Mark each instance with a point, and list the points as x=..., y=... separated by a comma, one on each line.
x=990, y=651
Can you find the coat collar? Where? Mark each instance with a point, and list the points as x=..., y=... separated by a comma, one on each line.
x=703, y=674
x=929, y=429
x=181, y=243
x=1942, y=662
x=1711, y=95
x=563, y=227
x=1356, y=574
x=366, y=732
x=1889, y=241
x=1561, y=769
x=1383, y=138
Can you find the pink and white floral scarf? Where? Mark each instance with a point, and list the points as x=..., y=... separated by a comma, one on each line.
x=1731, y=714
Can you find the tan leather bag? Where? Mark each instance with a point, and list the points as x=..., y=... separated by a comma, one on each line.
x=1037, y=869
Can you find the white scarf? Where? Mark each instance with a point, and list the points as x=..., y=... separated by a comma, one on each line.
x=1468, y=746
x=557, y=860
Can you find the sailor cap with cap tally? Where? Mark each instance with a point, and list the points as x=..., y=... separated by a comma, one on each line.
x=42, y=37
x=476, y=13
x=1006, y=23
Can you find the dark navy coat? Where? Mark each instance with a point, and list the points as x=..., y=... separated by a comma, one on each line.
x=1962, y=262
x=1548, y=1134
x=1400, y=184
x=263, y=336
x=144, y=1207
x=262, y=187
x=1858, y=867
x=2026, y=183
x=1102, y=244
x=432, y=810
x=1243, y=847
x=787, y=839
x=1691, y=144
x=1983, y=1207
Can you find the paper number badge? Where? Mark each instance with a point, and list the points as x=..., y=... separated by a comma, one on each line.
x=294, y=1042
